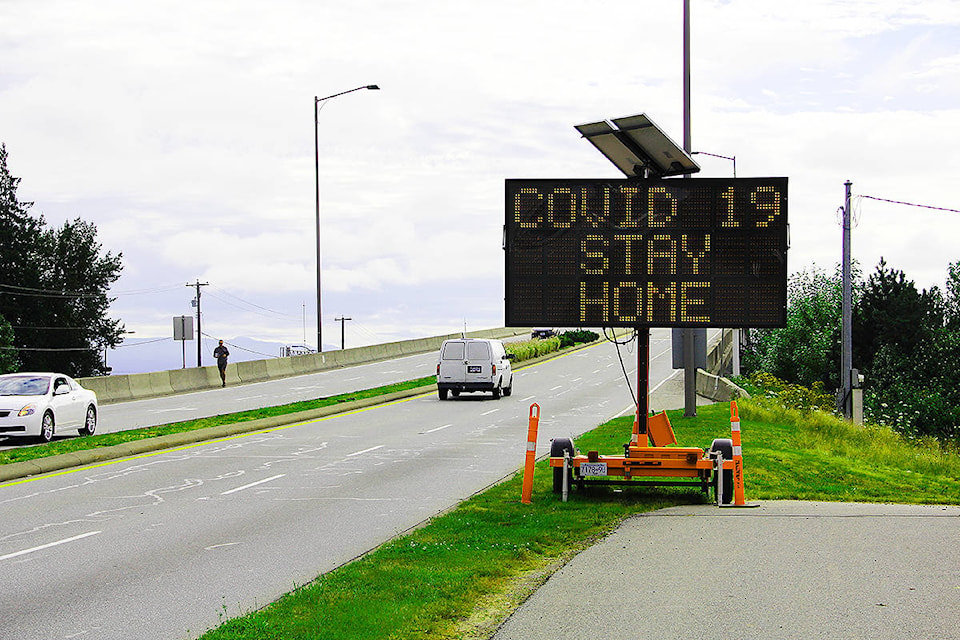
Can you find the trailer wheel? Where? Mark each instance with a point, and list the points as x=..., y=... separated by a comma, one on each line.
x=557, y=447
x=725, y=447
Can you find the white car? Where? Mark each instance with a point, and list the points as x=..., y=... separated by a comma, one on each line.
x=41, y=404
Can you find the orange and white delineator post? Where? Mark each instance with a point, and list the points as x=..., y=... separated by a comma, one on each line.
x=531, y=453
x=738, y=497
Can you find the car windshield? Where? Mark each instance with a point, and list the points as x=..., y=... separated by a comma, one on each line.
x=24, y=385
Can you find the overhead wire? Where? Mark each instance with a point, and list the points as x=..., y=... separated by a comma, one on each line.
x=909, y=204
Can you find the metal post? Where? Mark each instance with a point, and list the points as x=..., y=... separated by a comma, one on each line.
x=689, y=360
x=643, y=382
x=846, y=312
x=316, y=164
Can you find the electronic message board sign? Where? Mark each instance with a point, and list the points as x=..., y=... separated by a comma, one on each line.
x=689, y=252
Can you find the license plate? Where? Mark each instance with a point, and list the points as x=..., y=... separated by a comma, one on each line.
x=473, y=369
x=593, y=468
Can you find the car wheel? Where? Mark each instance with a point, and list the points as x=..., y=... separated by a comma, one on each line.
x=442, y=393
x=90, y=423
x=46, y=427
x=508, y=391
x=497, y=391
x=557, y=447
x=725, y=447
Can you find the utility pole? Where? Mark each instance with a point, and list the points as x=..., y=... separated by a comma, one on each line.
x=846, y=315
x=198, y=284
x=343, y=324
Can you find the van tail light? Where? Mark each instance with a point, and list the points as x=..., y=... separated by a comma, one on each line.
x=494, y=369
x=438, y=368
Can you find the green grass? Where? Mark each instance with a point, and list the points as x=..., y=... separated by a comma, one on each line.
x=71, y=445
x=463, y=572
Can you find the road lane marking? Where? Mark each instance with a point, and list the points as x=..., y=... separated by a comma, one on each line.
x=489, y=412
x=557, y=387
x=252, y=484
x=436, y=429
x=357, y=453
x=47, y=546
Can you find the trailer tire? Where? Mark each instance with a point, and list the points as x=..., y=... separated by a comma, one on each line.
x=557, y=447
x=725, y=447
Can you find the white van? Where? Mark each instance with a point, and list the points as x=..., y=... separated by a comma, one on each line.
x=474, y=364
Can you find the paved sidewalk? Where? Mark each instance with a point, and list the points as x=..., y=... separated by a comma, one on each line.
x=783, y=570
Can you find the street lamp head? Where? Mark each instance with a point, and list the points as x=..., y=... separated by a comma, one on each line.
x=372, y=86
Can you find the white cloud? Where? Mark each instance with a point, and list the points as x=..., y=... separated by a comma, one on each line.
x=184, y=131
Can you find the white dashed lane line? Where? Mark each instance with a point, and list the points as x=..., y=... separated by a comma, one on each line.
x=252, y=484
x=49, y=545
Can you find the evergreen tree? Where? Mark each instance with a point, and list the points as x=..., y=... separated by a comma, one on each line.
x=8, y=354
x=893, y=317
x=53, y=288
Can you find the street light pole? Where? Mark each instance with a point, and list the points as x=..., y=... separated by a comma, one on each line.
x=689, y=358
x=316, y=153
x=735, y=340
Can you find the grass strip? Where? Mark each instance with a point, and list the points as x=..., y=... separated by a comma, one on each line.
x=70, y=445
x=461, y=574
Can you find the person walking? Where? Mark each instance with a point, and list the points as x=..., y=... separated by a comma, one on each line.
x=221, y=353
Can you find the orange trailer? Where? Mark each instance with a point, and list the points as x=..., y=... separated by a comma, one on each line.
x=648, y=461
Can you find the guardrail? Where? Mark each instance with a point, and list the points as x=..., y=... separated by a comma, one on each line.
x=138, y=386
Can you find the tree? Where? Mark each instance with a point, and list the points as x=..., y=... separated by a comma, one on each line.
x=806, y=351
x=951, y=298
x=893, y=317
x=53, y=288
x=8, y=354
x=903, y=346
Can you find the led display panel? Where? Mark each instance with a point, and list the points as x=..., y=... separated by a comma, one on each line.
x=691, y=252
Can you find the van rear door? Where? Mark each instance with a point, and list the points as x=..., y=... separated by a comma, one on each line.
x=479, y=362
x=453, y=361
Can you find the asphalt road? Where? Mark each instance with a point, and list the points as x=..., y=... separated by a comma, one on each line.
x=783, y=570
x=166, y=544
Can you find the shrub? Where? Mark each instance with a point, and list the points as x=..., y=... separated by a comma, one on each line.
x=788, y=395
x=580, y=336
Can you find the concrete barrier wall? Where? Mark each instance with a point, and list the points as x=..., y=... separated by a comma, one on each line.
x=711, y=383
x=110, y=389
x=137, y=386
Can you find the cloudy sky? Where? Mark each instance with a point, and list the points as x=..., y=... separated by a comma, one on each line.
x=184, y=131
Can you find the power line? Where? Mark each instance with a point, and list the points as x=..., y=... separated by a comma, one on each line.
x=95, y=348
x=910, y=204
x=137, y=344
x=46, y=293
x=236, y=346
x=252, y=304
